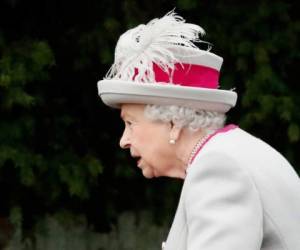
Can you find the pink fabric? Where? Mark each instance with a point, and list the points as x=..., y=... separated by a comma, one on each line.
x=222, y=130
x=189, y=75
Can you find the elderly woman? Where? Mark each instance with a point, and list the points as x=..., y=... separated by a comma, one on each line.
x=238, y=192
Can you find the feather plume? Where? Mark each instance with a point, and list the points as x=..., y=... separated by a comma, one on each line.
x=139, y=48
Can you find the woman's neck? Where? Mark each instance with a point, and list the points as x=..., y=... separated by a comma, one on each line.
x=186, y=147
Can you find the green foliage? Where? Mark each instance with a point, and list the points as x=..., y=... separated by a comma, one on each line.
x=187, y=4
x=20, y=64
x=24, y=71
x=64, y=231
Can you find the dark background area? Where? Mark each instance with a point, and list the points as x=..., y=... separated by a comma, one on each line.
x=59, y=143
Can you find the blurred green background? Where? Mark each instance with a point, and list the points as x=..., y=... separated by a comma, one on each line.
x=64, y=183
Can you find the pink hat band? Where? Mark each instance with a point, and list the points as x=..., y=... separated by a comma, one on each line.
x=189, y=75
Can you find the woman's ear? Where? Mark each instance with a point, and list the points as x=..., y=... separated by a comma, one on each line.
x=175, y=132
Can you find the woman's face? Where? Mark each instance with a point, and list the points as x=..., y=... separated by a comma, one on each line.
x=147, y=140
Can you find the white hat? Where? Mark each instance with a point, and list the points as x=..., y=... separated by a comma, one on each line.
x=158, y=63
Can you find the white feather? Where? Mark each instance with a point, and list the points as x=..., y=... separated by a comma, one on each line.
x=140, y=47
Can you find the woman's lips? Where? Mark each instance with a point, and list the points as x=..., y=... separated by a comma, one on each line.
x=138, y=159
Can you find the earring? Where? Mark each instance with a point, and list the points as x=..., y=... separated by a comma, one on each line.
x=172, y=141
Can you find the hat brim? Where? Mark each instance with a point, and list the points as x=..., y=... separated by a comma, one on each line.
x=114, y=93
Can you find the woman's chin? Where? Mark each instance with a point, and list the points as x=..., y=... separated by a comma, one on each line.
x=148, y=173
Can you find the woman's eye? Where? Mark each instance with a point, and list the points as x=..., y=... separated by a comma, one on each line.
x=128, y=123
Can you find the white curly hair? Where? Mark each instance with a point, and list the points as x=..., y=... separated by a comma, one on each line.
x=193, y=119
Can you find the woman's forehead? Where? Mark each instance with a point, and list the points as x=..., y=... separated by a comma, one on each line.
x=132, y=110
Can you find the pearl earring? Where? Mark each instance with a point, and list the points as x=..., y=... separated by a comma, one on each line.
x=172, y=141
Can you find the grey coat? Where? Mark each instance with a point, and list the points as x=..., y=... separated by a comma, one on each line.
x=239, y=194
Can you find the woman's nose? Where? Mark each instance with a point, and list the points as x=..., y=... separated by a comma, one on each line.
x=124, y=141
